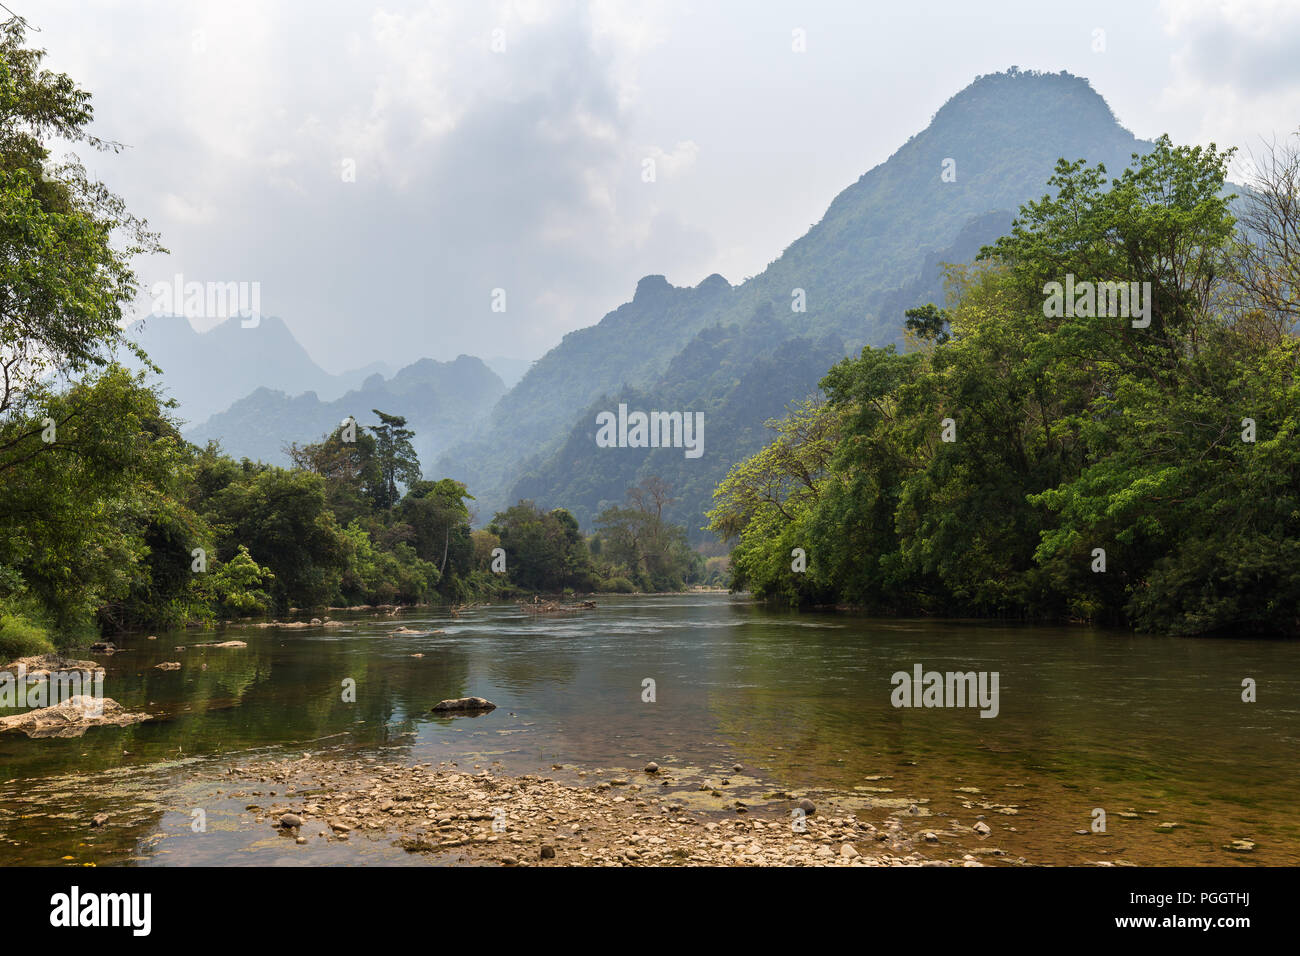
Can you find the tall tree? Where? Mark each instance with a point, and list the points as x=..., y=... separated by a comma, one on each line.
x=347, y=458
x=66, y=241
x=396, y=458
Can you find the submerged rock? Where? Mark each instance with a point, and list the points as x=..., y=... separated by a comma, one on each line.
x=72, y=718
x=551, y=607
x=43, y=665
x=464, y=705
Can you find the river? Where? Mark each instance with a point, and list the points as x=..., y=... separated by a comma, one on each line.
x=1151, y=731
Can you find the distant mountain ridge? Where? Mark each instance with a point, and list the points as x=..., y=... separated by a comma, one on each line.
x=256, y=390
x=741, y=353
x=206, y=371
x=442, y=402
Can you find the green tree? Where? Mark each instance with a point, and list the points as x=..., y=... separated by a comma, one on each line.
x=348, y=459
x=437, y=514
x=545, y=551
x=994, y=472
x=395, y=456
x=66, y=241
x=283, y=519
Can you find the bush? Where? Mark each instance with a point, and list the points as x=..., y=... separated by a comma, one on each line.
x=238, y=586
x=20, y=637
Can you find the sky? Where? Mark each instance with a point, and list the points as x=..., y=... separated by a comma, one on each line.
x=408, y=179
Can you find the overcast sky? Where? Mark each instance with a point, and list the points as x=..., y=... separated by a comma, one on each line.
x=521, y=168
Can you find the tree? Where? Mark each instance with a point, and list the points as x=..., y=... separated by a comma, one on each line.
x=545, y=551
x=98, y=522
x=354, y=478
x=281, y=516
x=1063, y=465
x=64, y=275
x=439, y=519
x=1268, y=255
x=395, y=456
x=928, y=323
x=638, y=543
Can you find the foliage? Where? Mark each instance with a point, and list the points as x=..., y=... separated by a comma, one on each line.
x=545, y=550
x=20, y=635
x=1169, y=447
x=638, y=545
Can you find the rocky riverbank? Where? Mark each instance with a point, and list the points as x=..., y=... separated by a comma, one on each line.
x=450, y=814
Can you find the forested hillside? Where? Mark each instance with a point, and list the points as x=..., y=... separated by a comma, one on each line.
x=1022, y=459
x=876, y=251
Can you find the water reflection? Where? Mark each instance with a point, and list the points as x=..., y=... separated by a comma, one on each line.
x=1151, y=730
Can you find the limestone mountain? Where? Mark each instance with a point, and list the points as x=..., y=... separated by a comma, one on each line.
x=206, y=371
x=740, y=352
x=442, y=402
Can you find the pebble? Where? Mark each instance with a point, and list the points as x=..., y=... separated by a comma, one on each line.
x=452, y=812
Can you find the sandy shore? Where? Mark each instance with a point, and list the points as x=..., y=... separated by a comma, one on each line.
x=477, y=817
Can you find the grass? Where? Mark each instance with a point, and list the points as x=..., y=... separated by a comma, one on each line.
x=20, y=637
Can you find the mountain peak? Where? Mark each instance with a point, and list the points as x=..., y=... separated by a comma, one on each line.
x=1028, y=95
x=714, y=283
x=649, y=287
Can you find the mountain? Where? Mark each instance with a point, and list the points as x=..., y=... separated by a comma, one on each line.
x=741, y=354
x=206, y=371
x=441, y=401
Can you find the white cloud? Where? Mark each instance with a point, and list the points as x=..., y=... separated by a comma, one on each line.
x=1235, y=67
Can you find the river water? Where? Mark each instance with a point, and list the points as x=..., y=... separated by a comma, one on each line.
x=1152, y=731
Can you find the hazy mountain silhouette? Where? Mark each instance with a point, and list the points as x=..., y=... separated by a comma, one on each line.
x=442, y=401
x=206, y=371
x=742, y=353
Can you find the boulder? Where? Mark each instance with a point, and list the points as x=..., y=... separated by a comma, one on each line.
x=72, y=718
x=42, y=666
x=463, y=705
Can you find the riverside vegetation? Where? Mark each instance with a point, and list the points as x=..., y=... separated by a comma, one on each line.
x=111, y=521
x=1017, y=462
x=1098, y=472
